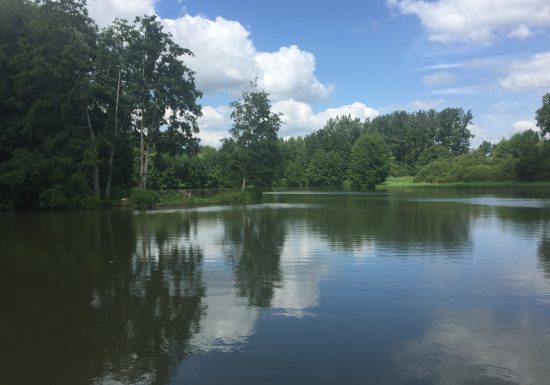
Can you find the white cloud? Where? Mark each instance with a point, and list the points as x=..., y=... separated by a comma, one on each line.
x=424, y=104
x=290, y=73
x=213, y=125
x=226, y=59
x=439, y=78
x=465, y=90
x=531, y=73
x=521, y=32
x=224, y=53
x=300, y=119
x=479, y=21
x=524, y=125
x=105, y=11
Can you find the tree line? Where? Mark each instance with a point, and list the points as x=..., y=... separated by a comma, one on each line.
x=87, y=115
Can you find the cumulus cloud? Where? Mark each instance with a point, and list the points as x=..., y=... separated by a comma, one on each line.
x=290, y=72
x=213, y=125
x=531, y=73
x=225, y=58
x=524, y=125
x=105, y=11
x=300, y=119
x=478, y=21
x=439, y=78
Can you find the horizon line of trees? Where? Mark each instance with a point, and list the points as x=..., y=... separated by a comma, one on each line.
x=87, y=115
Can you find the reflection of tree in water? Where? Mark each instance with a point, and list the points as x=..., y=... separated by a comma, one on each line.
x=83, y=302
x=350, y=222
x=544, y=250
x=255, y=239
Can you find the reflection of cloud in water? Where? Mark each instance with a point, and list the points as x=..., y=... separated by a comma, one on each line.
x=476, y=347
x=228, y=321
x=299, y=290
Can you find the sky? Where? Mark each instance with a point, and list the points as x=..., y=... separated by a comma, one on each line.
x=320, y=59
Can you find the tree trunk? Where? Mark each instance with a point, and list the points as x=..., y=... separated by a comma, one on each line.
x=243, y=186
x=146, y=165
x=141, y=156
x=112, y=147
x=95, y=169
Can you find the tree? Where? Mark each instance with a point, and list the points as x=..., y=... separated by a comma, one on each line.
x=452, y=131
x=47, y=50
x=326, y=168
x=543, y=115
x=253, y=146
x=370, y=160
x=114, y=78
x=163, y=83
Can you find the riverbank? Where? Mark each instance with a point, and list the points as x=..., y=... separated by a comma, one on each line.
x=185, y=198
x=407, y=182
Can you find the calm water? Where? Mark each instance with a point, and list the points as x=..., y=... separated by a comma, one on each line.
x=325, y=288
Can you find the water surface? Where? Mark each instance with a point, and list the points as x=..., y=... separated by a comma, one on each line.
x=304, y=288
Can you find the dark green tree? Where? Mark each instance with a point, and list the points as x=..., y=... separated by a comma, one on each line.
x=452, y=131
x=370, y=160
x=326, y=169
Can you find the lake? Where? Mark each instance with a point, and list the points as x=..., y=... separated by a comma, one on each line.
x=425, y=287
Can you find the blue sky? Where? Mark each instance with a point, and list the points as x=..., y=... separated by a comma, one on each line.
x=318, y=59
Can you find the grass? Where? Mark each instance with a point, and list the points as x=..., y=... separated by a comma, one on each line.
x=407, y=182
x=181, y=198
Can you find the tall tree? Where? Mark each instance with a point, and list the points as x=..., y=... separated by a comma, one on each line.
x=47, y=152
x=114, y=79
x=165, y=92
x=253, y=146
x=453, y=132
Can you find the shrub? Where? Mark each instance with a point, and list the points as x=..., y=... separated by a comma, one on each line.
x=144, y=199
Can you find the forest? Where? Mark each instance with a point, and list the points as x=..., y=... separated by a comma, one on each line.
x=89, y=115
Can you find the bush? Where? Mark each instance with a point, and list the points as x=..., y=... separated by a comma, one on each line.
x=144, y=199
x=473, y=167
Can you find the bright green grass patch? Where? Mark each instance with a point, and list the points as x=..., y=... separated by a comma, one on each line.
x=182, y=198
x=407, y=182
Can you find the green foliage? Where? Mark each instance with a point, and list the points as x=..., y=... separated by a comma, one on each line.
x=412, y=137
x=400, y=169
x=524, y=151
x=144, y=199
x=543, y=115
x=473, y=167
x=432, y=153
x=370, y=160
x=72, y=101
x=253, y=150
x=338, y=135
x=326, y=169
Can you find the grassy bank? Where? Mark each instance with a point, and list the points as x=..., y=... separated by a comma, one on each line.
x=184, y=198
x=407, y=182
